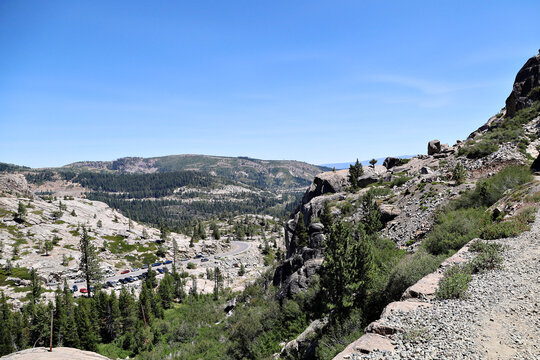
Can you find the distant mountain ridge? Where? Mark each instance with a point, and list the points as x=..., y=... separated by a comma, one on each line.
x=267, y=174
x=345, y=165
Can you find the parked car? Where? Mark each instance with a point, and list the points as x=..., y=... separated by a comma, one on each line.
x=145, y=266
x=75, y=288
x=130, y=279
x=91, y=288
x=84, y=291
x=136, y=269
x=156, y=264
x=160, y=270
x=184, y=259
x=198, y=256
x=167, y=262
x=124, y=272
x=79, y=281
x=122, y=281
x=205, y=259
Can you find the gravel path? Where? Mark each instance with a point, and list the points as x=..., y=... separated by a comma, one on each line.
x=499, y=320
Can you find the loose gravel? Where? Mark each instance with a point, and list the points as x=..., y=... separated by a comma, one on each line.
x=500, y=319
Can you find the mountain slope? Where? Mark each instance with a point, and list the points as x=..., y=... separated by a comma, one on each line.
x=265, y=174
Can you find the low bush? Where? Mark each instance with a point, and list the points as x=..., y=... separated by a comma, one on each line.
x=400, y=180
x=479, y=149
x=455, y=228
x=455, y=283
x=488, y=257
x=489, y=191
x=409, y=270
x=503, y=229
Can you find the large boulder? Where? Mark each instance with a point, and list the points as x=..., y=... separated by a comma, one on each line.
x=536, y=164
x=434, y=147
x=390, y=162
x=13, y=185
x=303, y=346
x=327, y=182
x=389, y=212
x=372, y=174
x=526, y=88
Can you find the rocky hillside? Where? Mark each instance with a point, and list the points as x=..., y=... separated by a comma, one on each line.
x=411, y=192
x=265, y=174
x=46, y=238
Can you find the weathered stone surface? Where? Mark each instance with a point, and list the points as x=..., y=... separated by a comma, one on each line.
x=536, y=164
x=381, y=328
x=13, y=185
x=402, y=306
x=424, y=288
x=327, y=182
x=315, y=228
x=389, y=212
x=434, y=147
x=526, y=87
x=391, y=162
x=58, y=353
x=371, y=175
x=303, y=346
x=367, y=343
x=297, y=281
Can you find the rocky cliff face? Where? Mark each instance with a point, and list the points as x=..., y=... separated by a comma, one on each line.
x=526, y=88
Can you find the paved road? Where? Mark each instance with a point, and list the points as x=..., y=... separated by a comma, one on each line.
x=238, y=248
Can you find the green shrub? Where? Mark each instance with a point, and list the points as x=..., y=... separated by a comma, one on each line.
x=400, y=180
x=455, y=228
x=409, y=270
x=455, y=283
x=478, y=149
x=191, y=265
x=489, y=191
x=346, y=208
x=381, y=191
x=459, y=174
x=503, y=229
x=488, y=257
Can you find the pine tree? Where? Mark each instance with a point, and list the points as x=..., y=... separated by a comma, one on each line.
x=21, y=212
x=327, y=218
x=371, y=214
x=151, y=280
x=166, y=291
x=70, y=335
x=201, y=231
x=128, y=311
x=48, y=247
x=86, y=330
x=218, y=282
x=89, y=262
x=372, y=162
x=6, y=340
x=346, y=269
x=301, y=233
x=216, y=234
x=35, y=283
x=355, y=171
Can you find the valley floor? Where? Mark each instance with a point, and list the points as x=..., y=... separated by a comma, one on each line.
x=499, y=319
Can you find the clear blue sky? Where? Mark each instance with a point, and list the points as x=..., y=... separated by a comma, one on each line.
x=318, y=81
